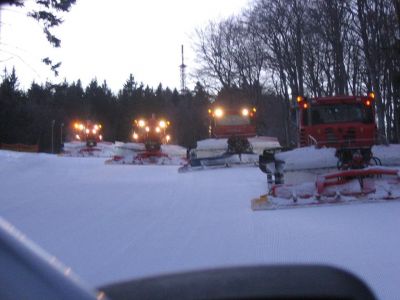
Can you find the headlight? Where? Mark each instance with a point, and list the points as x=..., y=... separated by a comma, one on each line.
x=158, y=129
x=142, y=123
x=218, y=112
x=100, y=137
x=87, y=131
x=245, y=112
x=96, y=127
x=168, y=138
x=147, y=128
x=135, y=136
x=163, y=124
x=81, y=127
x=94, y=131
x=77, y=137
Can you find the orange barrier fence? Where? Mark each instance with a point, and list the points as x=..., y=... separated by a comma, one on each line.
x=20, y=147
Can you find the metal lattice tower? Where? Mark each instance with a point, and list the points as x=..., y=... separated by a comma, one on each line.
x=183, y=75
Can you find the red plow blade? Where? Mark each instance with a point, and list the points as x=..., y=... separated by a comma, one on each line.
x=375, y=184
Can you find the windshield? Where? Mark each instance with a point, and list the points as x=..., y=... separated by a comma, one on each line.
x=233, y=120
x=341, y=113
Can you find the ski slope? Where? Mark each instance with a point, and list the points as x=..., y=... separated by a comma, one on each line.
x=117, y=222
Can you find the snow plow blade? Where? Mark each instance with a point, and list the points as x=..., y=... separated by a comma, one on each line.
x=343, y=187
x=225, y=160
x=136, y=154
x=145, y=158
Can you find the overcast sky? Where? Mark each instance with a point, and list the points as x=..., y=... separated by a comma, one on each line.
x=111, y=39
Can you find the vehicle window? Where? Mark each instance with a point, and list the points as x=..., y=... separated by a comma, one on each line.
x=328, y=114
x=233, y=120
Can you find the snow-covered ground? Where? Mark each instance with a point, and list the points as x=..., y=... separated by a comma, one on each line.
x=115, y=222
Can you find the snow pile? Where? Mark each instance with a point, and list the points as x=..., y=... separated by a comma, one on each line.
x=389, y=155
x=308, y=158
x=174, y=150
x=264, y=142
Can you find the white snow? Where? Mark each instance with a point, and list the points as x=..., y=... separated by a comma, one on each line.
x=389, y=155
x=308, y=158
x=115, y=222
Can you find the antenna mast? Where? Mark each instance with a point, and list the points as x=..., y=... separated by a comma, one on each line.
x=183, y=75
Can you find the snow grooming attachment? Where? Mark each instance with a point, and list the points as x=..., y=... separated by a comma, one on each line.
x=137, y=154
x=342, y=187
x=226, y=160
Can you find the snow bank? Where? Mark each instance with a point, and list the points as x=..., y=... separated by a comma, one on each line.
x=389, y=155
x=174, y=150
x=308, y=158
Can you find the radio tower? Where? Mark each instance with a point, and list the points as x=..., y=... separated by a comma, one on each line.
x=183, y=75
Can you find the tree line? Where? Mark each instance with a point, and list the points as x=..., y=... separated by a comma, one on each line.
x=311, y=48
x=268, y=54
x=46, y=112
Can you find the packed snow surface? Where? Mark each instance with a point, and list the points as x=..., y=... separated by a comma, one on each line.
x=118, y=222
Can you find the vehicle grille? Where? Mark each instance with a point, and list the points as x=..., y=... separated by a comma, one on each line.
x=330, y=135
x=303, y=138
x=341, y=135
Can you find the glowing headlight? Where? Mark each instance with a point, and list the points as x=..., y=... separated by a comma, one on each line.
x=135, y=136
x=100, y=137
x=76, y=126
x=142, y=123
x=245, y=112
x=147, y=128
x=78, y=137
x=81, y=127
x=163, y=124
x=218, y=112
x=168, y=138
x=94, y=131
x=158, y=129
x=96, y=127
x=87, y=131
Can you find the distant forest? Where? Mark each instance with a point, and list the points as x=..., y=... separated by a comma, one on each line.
x=27, y=116
x=268, y=54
